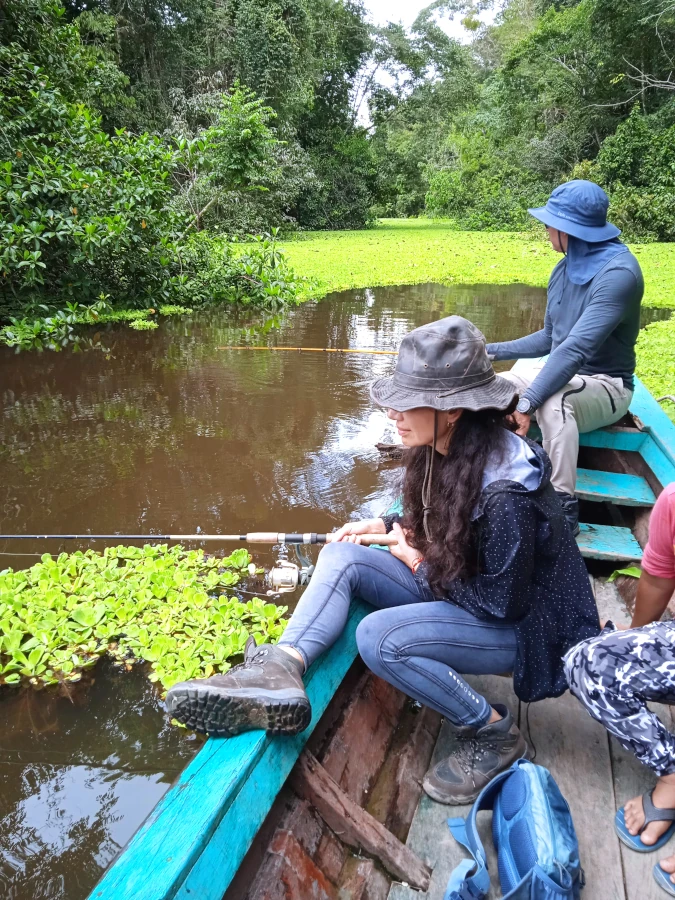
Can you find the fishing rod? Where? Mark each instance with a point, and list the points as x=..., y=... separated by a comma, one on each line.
x=317, y=350
x=253, y=537
x=284, y=577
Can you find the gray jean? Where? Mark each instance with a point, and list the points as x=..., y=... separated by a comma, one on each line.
x=415, y=642
x=585, y=403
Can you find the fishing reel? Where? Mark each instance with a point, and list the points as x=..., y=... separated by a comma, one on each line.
x=285, y=576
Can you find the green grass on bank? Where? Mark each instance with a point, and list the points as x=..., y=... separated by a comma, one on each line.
x=417, y=251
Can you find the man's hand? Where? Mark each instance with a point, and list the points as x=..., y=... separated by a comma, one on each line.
x=351, y=531
x=653, y=595
x=523, y=423
x=402, y=550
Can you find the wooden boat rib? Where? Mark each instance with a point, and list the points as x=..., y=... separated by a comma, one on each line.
x=314, y=792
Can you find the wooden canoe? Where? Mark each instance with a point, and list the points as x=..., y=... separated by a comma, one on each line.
x=326, y=814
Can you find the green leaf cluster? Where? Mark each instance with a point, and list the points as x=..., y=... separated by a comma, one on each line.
x=631, y=572
x=636, y=165
x=143, y=325
x=169, y=607
x=254, y=273
x=91, y=214
x=81, y=212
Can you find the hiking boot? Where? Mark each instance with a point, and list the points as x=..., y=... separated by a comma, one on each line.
x=480, y=755
x=570, y=506
x=265, y=691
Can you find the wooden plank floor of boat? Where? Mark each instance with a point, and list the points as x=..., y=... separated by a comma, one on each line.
x=594, y=773
x=359, y=781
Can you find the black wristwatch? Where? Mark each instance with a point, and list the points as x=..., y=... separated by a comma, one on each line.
x=525, y=407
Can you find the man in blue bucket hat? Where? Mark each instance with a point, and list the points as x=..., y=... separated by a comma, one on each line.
x=590, y=328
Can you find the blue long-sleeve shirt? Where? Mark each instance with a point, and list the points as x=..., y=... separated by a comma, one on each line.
x=589, y=329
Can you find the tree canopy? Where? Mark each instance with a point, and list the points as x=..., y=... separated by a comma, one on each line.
x=549, y=91
x=138, y=138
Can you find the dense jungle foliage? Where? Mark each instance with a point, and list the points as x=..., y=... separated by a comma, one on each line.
x=143, y=142
x=553, y=89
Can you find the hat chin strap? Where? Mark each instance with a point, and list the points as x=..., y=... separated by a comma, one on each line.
x=428, y=478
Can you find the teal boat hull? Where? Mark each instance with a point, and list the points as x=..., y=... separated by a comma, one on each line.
x=194, y=841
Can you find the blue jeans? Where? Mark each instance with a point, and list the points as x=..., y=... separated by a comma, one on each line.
x=414, y=641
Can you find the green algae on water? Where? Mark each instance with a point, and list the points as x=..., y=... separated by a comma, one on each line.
x=167, y=607
x=417, y=251
x=655, y=352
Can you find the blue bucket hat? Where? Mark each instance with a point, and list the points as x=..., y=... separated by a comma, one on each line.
x=578, y=208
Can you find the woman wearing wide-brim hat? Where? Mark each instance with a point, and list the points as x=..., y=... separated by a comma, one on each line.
x=591, y=325
x=485, y=578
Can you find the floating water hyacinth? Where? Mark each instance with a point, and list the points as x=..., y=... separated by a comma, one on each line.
x=167, y=607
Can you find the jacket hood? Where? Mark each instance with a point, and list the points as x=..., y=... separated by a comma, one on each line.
x=508, y=485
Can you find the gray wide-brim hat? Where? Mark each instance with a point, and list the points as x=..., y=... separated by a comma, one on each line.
x=443, y=365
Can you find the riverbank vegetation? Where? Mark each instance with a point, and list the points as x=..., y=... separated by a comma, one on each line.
x=172, y=609
x=550, y=90
x=144, y=143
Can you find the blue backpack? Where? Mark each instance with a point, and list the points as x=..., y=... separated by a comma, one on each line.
x=533, y=832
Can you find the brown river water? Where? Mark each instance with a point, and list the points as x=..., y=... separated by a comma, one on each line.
x=162, y=432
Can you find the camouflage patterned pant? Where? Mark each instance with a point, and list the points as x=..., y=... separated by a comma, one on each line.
x=615, y=674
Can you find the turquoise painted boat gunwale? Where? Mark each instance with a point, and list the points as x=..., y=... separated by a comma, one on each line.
x=194, y=840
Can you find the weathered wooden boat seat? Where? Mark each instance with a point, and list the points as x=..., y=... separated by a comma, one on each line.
x=608, y=542
x=610, y=487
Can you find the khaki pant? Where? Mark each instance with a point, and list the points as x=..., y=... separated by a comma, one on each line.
x=585, y=403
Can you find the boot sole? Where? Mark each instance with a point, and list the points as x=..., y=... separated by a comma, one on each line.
x=224, y=715
x=464, y=799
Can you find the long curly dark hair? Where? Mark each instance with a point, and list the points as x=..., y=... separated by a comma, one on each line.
x=455, y=489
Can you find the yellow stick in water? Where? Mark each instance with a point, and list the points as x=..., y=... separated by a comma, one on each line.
x=316, y=350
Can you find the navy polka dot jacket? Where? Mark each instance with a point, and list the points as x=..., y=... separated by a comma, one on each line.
x=531, y=574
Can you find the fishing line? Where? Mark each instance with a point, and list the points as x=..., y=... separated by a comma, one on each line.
x=529, y=733
x=6, y=553
x=317, y=350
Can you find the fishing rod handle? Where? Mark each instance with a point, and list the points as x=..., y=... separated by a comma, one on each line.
x=281, y=537
x=384, y=540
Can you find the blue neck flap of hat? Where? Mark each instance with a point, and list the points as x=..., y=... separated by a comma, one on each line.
x=584, y=260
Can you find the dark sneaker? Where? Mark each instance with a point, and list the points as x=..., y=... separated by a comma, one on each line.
x=480, y=755
x=570, y=506
x=265, y=691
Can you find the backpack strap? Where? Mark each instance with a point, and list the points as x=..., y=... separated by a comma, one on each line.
x=458, y=887
x=461, y=885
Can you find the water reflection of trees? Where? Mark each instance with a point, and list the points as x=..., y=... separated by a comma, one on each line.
x=170, y=432
x=78, y=774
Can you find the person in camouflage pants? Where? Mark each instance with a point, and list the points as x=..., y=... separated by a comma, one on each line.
x=615, y=674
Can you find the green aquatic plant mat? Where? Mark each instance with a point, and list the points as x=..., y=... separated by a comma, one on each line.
x=416, y=251
x=167, y=607
x=655, y=352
